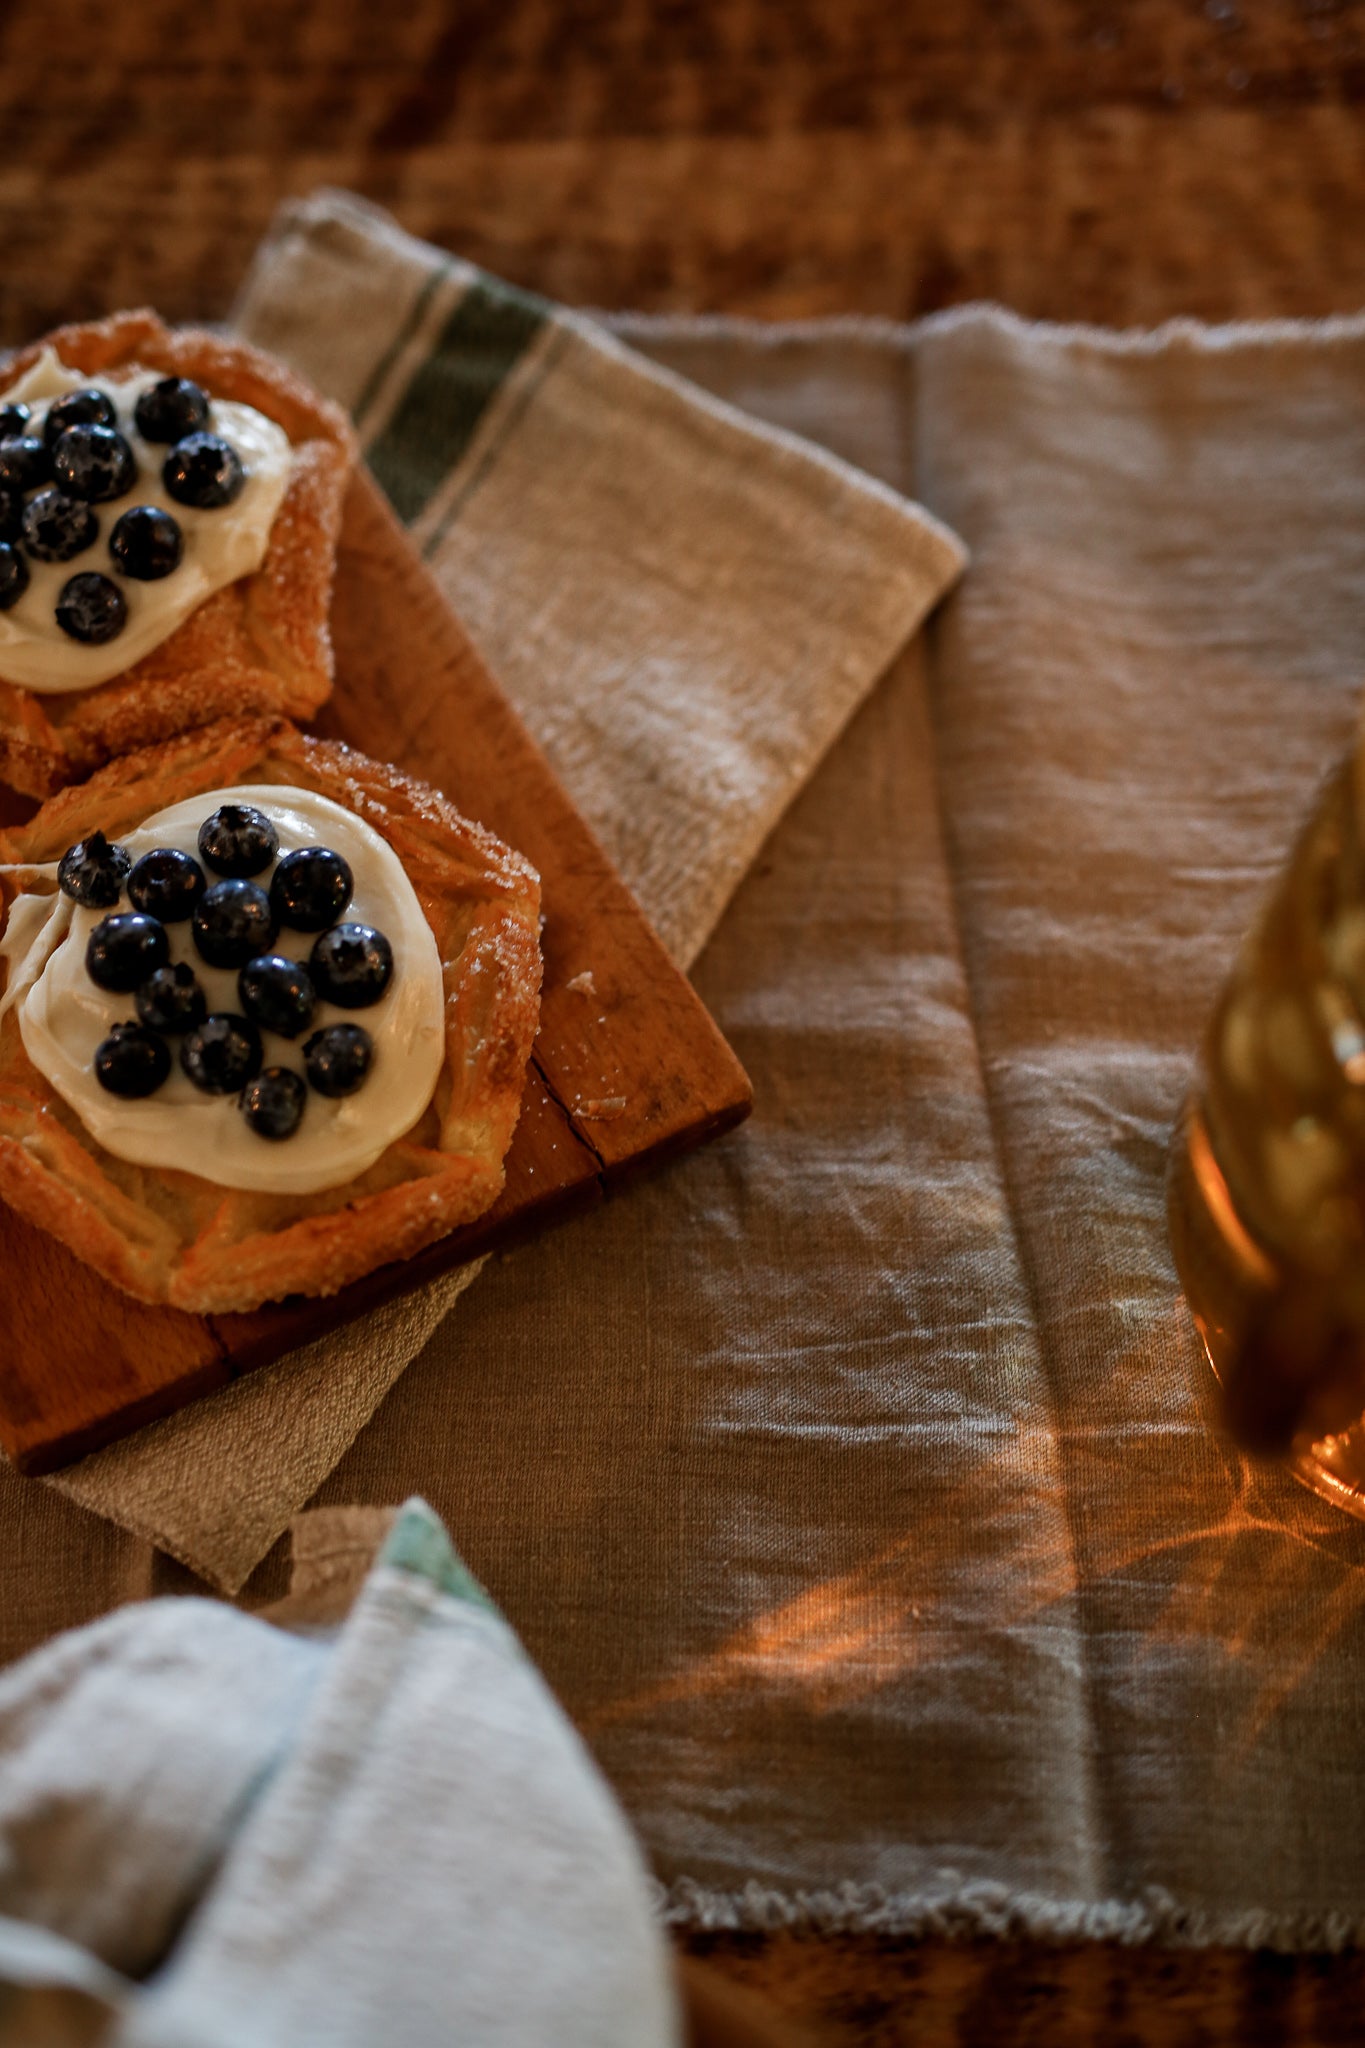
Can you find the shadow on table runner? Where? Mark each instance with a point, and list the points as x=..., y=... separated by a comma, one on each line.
x=1155, y=657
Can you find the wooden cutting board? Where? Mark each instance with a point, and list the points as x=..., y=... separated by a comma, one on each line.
x=628, y=1067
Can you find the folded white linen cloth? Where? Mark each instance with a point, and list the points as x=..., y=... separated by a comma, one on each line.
x=215, y=1834
x=685, y=606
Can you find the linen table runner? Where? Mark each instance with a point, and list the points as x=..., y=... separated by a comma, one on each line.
x=853, y=1484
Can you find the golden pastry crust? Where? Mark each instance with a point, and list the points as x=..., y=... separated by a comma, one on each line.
x=259, y=646
x=175, y=1238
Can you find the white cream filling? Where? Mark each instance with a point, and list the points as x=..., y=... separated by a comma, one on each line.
x=220, y=545
x=63, y=1016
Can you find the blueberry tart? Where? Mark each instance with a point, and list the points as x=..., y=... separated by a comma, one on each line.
x=170, y=502
x=265, y=1013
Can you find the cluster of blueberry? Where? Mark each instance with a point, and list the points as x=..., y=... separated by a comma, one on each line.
x=234, y=922
x=49, y=483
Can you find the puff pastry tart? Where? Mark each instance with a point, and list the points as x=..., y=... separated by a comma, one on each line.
x=266, y=1012
x=169, y=508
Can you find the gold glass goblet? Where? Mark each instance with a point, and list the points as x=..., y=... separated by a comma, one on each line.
x=1266, y=1190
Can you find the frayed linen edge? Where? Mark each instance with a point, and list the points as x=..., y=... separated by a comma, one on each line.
x=977, y=1909
x=876, y=331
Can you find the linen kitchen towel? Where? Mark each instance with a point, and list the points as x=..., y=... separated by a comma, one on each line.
x=214, y=1834
x=685, y=606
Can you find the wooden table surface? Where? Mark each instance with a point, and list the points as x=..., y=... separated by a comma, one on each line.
x=1110, y=160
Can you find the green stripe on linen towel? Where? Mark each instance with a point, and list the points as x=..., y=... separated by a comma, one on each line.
x=434, y=422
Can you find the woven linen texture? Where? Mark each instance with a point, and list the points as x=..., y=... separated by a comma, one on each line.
x=853, y=1482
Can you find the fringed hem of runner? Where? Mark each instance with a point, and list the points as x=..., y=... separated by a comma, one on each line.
x=874, y=330
x=967, y=1910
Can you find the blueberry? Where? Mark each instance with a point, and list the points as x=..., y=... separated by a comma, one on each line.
x=277, y=994
x=338, y=1058
x=23, y=463
x=171, y=409
x=13, y=419
x=233, y=923
x=132, y=1061
x=57, y=527
x=91, y=608
x=94, y=463
x=13, y=576
x=87, y=408
x=310, y=889
x=11, y=515
x=223, y=1054
x=238, y=840
x=351, y=965
x=172, y=1000
x=124, y=949
x=91, y=872
x=202, y=470
x=166, y=884
x=273, y=1103
x=146, y=543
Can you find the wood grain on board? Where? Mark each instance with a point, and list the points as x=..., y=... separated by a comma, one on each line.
x=628, y=1067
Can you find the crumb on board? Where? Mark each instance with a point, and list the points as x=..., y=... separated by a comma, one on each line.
x=583, y=983
x=601, y=1109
